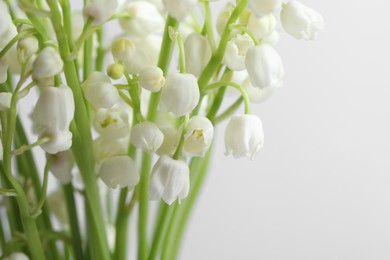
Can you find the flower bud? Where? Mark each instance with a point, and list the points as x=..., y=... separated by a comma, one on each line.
x=111, y=123
x=151, y=78
x=47, y=64
x=301, y=21
x=5, y=101
x=119, y=171
x=144, y=19
x=236, y=50
x=62, y=166
x=196, y=61
x=198, y=137
x=169, y=180
x=16, y=256
x=179, y=9
x=147, y=137
x=123, y=49
x=264, y=7
x=52, y=115
x=262, y=27
x=99, y=91
x=264, y=66
x=115, y=70
x=244, y=136
x=180, y=94
x=27, y=48
x=104, y=148
x=100, y=10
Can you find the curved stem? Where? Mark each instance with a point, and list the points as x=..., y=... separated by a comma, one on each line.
x=228, y=112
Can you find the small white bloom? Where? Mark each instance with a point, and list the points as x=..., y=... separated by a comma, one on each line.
x=99, y=91
x=123, y=49
x=144, y=19
x=179, y=9
x=58, y=207
x=62, y=166
x=196, y=60
x=104, y=148
x=47, y=64
x=27, y=48
x=115, y=70
x=180, y=94
x=5, y=101
x=52, y=115
x=264, y=66
x=3, y=70
x=169, y=180
x=111, y=123
x=100, y=10
x=301, y=21
x=224, y=16
x=264, y=7
x=151, y=78
x=119, y=171
x=199, y=135
x=262, y=27
x=244, y=136
x=147, y=137
x=16, y=256
x=236, y=50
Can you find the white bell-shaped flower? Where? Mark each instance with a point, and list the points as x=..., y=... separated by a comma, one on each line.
x=180, y=94
x=100, y=10
x=5, y=101
x=179, y=9
x=151, y=78
x=16, y=256
x=62, y=166
x=123, y=49
x=224, y=16
x=27, y=48
x=147, y=137
x=244, y=136
x=262, y=27
x=3, y=70
x=196, y=60
x=112, y=123
x=99, y=91
x=198, y=137
x=169, y=180
x=119, y=171
x=104, y=148
x=47, y=64
x=264, y=7
x=236, y=50
x=52, y=115
x=144, y=19
x=264, y=66
x=301, y=21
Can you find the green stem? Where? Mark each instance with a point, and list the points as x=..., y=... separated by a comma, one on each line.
x=160, y=231
x=121, y=227
x=100, y=51
x=209, y=26
x=228, y=112
x=14, y=40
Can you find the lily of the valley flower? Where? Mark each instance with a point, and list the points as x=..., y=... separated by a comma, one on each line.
x=180, y=94
x=119, y=171
x=262, y=27
x=62, y=166
x=236, y=50
x=123, y=49
x=47, y=64
x=169, y=180
x=151, y=78
x=179, y=9
x=196, y=60
x=100, y=10
x=111, y=123
x=104, y=148
x=147, y=137
x=264, y=66
x=144, y=19
x=264, y=7
x=99, y=91
x=27, y=48
x=52, y=115
x=171, y=140
x=244, y=136
x=301, y=21
x=16, y=256
x=199, y=135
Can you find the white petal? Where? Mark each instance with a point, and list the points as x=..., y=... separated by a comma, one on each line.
x=119, y=171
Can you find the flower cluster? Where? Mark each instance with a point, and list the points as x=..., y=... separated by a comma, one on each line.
x=154, y=95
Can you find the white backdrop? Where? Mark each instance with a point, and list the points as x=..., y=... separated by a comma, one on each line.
x=320, y=188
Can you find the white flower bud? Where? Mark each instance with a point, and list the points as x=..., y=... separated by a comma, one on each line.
x=123, y=49
x=244, y=136
x=47, y=64
x=62, y=166
x=151, y=78
x=264, y=66
x=99, y=91
x=179, y=9
x=144, y=19
x=115, y=70
x=180, y=94
x=111, y=123
x=264, y=7
x=58, y=207
x=52, y=115
x=147, y=137
x=5, y=101
x=27, y=48
x=169, y=180
x=262, y=27
x=224, y=16
x=3, y=70
x=16, y=256
x=100, y=10
x=104, y=148
x=119, y=171
x=196, y=60
x=301, y=21
x=199, y=135
x=236, y=50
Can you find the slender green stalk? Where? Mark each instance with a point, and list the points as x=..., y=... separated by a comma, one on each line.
x=228, y=112
x=88, y=49
x=209, y=25
x=100, y=52
x=121, y=224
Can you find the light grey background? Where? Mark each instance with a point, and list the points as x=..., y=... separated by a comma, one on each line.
x=320, y=188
